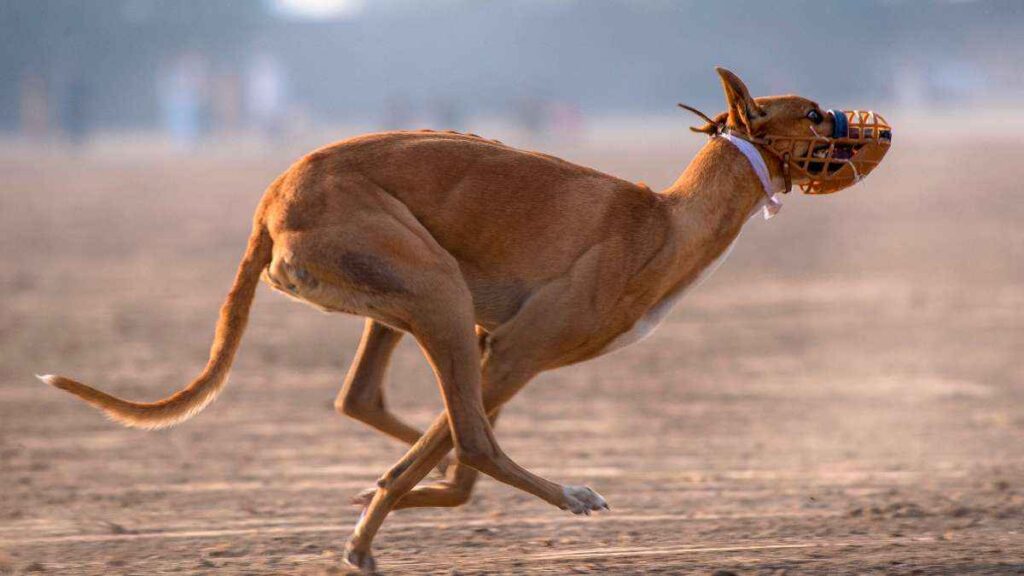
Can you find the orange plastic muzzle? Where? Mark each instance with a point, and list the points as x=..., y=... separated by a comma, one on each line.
x=825, y=164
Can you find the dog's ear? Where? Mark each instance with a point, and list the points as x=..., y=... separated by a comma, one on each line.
x=744, y=113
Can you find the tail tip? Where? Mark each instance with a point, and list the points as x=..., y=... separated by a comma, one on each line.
x=50, y=379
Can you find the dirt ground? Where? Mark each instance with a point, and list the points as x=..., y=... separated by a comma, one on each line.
x=846, y=395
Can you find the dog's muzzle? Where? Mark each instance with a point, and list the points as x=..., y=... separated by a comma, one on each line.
x=827, y=164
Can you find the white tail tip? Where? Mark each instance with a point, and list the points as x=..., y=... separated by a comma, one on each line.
x=48, y=378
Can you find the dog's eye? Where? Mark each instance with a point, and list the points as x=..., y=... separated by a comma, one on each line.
x=815, y=116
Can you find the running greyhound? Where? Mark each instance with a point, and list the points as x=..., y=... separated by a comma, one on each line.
x=502, y=263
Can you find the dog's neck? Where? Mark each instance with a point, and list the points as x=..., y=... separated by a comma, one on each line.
x=706, y=209
x=719, y=190
x=712, y=199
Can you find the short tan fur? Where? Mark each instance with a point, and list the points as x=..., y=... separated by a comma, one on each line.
x=501, y=263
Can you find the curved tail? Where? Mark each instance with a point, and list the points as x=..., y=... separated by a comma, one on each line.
x=185, y=403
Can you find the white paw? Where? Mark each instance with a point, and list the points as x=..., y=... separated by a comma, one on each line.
x=582, y=500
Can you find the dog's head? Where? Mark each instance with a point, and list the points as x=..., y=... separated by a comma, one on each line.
x=822, y=151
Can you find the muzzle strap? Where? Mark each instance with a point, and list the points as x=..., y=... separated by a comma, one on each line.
x=840, y=124
x=772, y=204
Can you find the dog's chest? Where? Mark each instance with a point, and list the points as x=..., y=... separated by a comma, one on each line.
x=650, y=321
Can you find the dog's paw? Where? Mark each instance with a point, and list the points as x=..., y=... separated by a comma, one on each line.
x=362, y=500
x=582, y=500
x=360, y=560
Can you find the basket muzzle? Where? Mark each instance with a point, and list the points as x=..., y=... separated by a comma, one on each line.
x=823, y=164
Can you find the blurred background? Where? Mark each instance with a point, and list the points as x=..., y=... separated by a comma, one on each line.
x=845, y=395
x=195, y=72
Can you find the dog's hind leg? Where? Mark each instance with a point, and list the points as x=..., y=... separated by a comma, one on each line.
x=506, y=369
x=435, y=444
x=454, y=490
x=362, y=398
x=459, y=480
x=362, y=395
x=514, y=353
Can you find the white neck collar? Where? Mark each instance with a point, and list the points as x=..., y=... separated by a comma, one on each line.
x=773, y=204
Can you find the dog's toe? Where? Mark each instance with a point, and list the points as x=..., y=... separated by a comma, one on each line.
x=583, y=500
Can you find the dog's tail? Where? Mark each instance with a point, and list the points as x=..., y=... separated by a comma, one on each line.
x=185, y=403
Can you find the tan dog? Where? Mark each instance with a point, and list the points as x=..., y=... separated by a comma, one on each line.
x=502, y=263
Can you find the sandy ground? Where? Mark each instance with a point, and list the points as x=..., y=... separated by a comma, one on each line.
x=846, y=395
